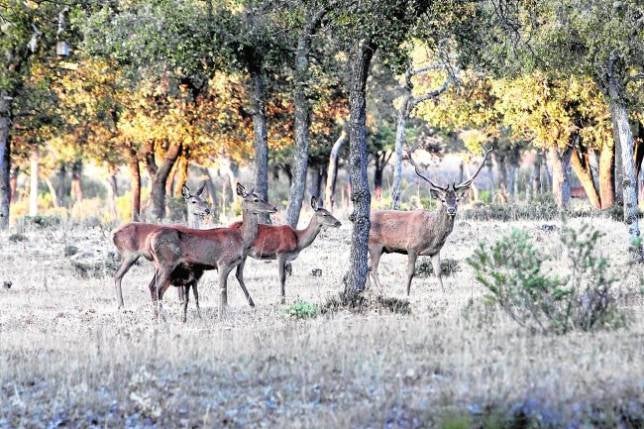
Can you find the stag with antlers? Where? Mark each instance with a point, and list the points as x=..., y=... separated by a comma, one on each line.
x=419, y=232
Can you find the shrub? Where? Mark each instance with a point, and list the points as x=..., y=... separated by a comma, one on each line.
x=302, y=310
x=512, y=270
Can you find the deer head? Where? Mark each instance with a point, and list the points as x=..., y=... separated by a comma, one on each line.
x=324, y=216
x=451, y=194
x=254, y=203
x=196, y=202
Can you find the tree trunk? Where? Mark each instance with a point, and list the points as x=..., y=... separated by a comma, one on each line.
x=378, y=174
x=260, y=128
x=13, y=184
x=112, y=189
x=34, y=161
x=606, y=169
x=358, y=158
x=332, y=170
x=77, y=189
x=181, y=176
x=619, y=170
x=210, y=185
x=561, y=175
x=401, y=122
x=157, y=191
x=53, y=192
x=5, y=159
x=581, y=167
x=315, y=186
x=135, y=177
x=536, y=174
x=619, y=117
x=502, y=186
x=301, y=126
x=61, y=189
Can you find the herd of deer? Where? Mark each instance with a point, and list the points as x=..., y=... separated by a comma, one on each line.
x=181, y=254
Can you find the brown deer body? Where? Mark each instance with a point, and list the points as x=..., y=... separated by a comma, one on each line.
x=180, y=255
x=284, y=243
x=132, y=243
x=419, y=232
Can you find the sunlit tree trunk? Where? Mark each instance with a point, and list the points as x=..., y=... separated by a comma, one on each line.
x=606, y=170
x=13, y=183
x=360, y=60
x=181, y=176
x=159, y=179
x=76, y=185
x=34, y=161
x=581, y=167
x=332, y=171
x=112, y=189
x=135, y=177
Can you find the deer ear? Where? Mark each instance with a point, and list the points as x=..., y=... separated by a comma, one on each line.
x=185, y=192
x=241, y=191
x=314, y=203
x=201, y=189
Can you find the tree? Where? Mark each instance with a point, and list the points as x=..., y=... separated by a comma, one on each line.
x=27, y=37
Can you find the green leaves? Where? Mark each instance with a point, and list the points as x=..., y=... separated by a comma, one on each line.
x=512, y=270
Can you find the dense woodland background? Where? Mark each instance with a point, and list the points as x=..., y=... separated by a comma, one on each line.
x=109, y=108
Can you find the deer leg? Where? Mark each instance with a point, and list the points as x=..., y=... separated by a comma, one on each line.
x=375, y=255
x=411, y=267
x=182, y=291
x=281, y=264
x=196, y=295
x=125, y=266
x=240, y=278
x=223, y=289
x=436, y=265
x=155, y=286
x=185, y=293
x=288, y=269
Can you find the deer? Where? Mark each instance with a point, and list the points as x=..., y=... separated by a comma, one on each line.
x=419, y=232
x=131, y=240
x=180, y=255
x=284, y=243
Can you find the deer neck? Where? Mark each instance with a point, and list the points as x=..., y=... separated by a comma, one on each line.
x=193, y=221
x=249, y=228
x=307, y=235
x=444, y=222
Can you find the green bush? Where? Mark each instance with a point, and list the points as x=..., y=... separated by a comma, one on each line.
x=302, y=310
x=512, y=270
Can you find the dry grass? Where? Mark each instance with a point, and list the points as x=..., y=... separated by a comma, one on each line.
x=69, y=357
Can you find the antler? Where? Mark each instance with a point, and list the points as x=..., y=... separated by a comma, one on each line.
x=468, y=182
x=419, y=174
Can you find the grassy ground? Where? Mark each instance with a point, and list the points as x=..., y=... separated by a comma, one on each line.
x=68, y=357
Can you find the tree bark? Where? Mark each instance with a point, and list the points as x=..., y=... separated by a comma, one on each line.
x=5, y=159
x=399, y=145
x=53, y=192
x=361, y=56
x=34, y=161
x=260, y=128
x=619, y=116
x=210, y=184
x=112, y=189
x=581, y=167
x=315, y=186
x=561, y=175
x=181, y=176
x=157, y=191
x=135, y=177
x=606, y=170
x=302, y=116
x=61, y=189
x=378, y=174
x=332, y=170
x=76, y=188
x=13, y=184
x=536, y=173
